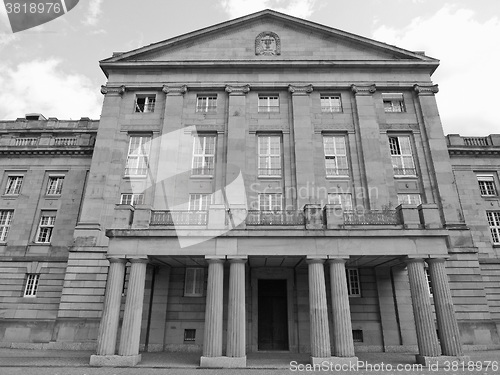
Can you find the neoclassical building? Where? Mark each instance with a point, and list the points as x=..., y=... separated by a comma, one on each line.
x=272, y=184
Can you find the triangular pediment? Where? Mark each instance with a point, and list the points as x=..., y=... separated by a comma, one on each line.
x=288, y=39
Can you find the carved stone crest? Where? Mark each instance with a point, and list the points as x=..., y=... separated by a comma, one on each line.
x=267, y=43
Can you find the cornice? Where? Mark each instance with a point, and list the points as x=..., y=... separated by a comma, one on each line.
x=363, y=89
x=237, y=89
x=172, y=90
x=33, y=151
x=300, y=90
x=113, y=90
x=423, y=90
x=474, y=151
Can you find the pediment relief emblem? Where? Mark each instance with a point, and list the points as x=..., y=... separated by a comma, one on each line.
x=267, y=43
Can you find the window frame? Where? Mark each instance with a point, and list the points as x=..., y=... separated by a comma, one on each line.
x=335, y=156
x=200, y=199
x=50, y=225
x=199, y=276
x=493, y=219
x=133, y=198
x=350, y=287
x=140, y=154
x=58, y=189
x=17, y=187
x=268, y=156
x=341, y=201
x=31, y=285
x=278, y=202
x=402, y=196
x=396, y=102
x=272, y=103
x=205, y=103
x=483, y=190
x=402, y=157
x=328, y=99
x=203, y=156
x=5, y=222
x=148, y=106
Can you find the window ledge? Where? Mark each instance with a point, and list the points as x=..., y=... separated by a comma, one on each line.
x=202, y=176
x=338, y=177
x=274, y=177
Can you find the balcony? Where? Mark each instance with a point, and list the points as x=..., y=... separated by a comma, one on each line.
x=275, y=218
x=179, y=217
x=372, y=217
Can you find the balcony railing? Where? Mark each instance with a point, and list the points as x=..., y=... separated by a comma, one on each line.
x=371, y=217
x=179, y=217
x=475, y=141
x=275, y=218
x=26, y=142
x=67, y=141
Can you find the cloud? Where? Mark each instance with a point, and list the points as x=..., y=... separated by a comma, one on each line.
x=468, y=75
x=42, y=86
x=94, y=11
x=297, y=8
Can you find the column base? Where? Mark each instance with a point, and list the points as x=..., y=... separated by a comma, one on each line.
x=334, y=361
x=114, y=360
x=440, y=360
x=223, y=362
x=318, y=361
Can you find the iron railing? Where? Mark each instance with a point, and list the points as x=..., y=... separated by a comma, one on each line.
x=275, y=218
x=371, y=217
x=475, y=141
x=179, y=217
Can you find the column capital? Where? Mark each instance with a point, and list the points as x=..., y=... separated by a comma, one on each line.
x=436, y=260
x=315, y=260
x=333, y=260
x=237, y=259
x=113, y=90
x=413, y=260
x=237, y=89
x=426, y=89
x=300, y=90
x=172, y=90
x=117, y=260
x=138, y=260
x=363, y=89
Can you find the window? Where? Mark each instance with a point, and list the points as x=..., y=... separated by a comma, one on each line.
x=393, y=102
x=335, y=156
x=55, y=184
x=353, y=286
x=199, y=202
x=494, y=223
x=31, y=285
x=194, y=282
x=342, y=200
x=14, y=184
x=132, y=199
x=145, y=103
x=203, y=156
x=5, y=220
x=206, y=103
x=138, y=153
x=46, y=227
x=357, y=335
x=487, y=185
x=413, y=199
x=270, y=202
x=269, y=149
x=330, y=103
x=189, y=335
x=269, y=103
x=401, y=155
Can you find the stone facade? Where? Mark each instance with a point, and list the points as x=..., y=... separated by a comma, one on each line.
x=269, y=184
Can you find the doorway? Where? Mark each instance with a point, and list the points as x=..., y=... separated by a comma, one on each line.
x=272, y=315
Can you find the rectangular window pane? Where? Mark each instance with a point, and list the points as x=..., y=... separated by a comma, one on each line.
x=353, y=284
x=199, y=202
x=194, y=282
x=145, y=103
x=342, y=200
x=203, y=162
x=55, y=184
x=402, y=156
x=413, y=199
x=269, y=103
x=335, y=156
x=14, y=184
x=330, y=103
x=138, y=154
x=31, y=288
x=206, y=103
x=46, y=226
x=494, y=223
x=5, y=220
x=487, y=185
x=269, y=159
x=270, y=202
x=132, y=199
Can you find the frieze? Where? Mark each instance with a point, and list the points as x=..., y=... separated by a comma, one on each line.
x=267, y=43
x=363, y=90
x=174, y=90
x=112, y=90
x=426, y=90
x=300, y=90
x=238, y=90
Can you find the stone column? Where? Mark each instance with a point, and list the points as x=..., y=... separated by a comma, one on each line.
x=132, y=317
x=318, y=313
x=212, y=339
x=236, y=320
x=106, y=340
x=428, y=345
x=449, y=334
x=343, y=344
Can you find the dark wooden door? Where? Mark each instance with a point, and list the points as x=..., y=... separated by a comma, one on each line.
x=273, y=315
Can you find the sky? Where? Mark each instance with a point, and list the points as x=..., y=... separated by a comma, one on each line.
x=53, y=68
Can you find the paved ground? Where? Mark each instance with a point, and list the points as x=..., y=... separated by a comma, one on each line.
x=58, y=362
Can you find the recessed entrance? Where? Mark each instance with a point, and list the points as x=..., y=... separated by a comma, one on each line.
x=273, y=315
